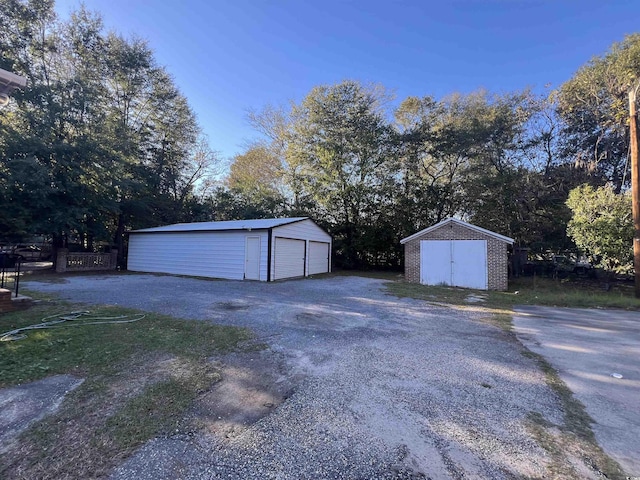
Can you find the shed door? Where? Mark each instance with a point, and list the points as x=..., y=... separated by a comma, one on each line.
x=318, y=257
x=435, y=262
x=289, y=258
x=460, y=263
x=252, y=258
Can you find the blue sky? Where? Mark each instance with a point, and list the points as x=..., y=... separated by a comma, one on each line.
x=229, y=56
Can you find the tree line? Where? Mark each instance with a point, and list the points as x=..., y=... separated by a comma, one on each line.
x=102, y=141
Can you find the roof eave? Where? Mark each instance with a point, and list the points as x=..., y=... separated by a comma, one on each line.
x=497, y=236
x=165, y=229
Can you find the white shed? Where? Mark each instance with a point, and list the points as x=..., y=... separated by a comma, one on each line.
x=266, y=249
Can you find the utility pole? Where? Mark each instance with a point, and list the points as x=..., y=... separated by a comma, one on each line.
x=635, y=183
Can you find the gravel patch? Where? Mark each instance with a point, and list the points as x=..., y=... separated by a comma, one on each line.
x=381, y=387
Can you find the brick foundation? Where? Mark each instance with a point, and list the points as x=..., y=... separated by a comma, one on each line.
x=6, y=304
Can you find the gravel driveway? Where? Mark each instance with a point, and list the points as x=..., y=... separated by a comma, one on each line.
x=384, y=387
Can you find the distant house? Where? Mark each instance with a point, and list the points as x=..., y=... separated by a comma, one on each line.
x=459, y=254
x=266, y=249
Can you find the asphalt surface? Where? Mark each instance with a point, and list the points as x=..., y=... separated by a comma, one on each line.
x=384, y=387
x=589, y=349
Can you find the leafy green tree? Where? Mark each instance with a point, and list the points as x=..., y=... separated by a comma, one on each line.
x=101, y=139
x=225, y=204
x=476, y=156
x=257, y=176
x=428, y=171
x=602, y=226
x=594, y=107
x=51, y=131
x=275, y=124
x=340, y=143
x=493, y=176
x=256, y=172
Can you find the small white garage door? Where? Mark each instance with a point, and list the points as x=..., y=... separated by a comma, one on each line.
x=288, y=259
x=459, y=263
x=318, y=257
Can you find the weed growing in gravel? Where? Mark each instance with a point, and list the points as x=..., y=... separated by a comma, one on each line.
x=140, y=378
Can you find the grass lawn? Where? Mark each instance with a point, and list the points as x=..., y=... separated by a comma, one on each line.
x=527, y=291
x=140, y=379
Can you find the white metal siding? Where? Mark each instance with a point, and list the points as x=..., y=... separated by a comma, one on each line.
x=202, y=254
x=318, y=257
x=289, y=258
x=460, y=263
x=305, y=230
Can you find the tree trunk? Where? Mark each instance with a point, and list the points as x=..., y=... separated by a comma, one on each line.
x=119, y=239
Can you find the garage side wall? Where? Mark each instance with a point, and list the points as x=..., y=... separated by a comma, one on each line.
x=496, y=253
x=201, y=254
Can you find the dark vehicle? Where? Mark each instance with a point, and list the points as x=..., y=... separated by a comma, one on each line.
x=558, y=266
x=563, y=264
x=28, y=253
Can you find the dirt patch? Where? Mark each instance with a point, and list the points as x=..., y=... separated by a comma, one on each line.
x=315, y=320
x=253, y=385
x=232, y=305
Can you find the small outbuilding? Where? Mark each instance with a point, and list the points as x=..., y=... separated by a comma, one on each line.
x=459, y=254
x=266, y=249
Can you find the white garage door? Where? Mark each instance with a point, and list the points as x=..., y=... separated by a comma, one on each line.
x=318, y=257
x=459, y=263
x=288, y=260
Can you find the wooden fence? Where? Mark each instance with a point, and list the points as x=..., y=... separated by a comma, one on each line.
x=85, y=262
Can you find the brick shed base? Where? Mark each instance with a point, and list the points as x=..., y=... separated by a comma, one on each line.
x=6, y=305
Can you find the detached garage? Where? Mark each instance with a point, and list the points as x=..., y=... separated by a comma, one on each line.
x=459, y=254
x=266, y=249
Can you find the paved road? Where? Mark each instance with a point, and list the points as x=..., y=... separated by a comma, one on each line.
x=587, y=346
x=384, y=387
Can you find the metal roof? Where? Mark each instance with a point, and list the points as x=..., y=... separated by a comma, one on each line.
x=459, y=222
x=260, y=224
